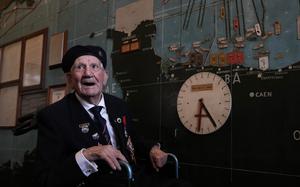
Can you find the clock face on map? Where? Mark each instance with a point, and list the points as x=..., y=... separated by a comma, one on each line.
x=204, y=103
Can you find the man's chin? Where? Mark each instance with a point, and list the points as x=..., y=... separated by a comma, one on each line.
x=91, y=98
x=90, y=93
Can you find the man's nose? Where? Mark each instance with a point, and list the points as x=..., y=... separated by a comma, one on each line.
x=88, y=70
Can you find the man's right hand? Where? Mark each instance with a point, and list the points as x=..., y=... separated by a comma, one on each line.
x=105, y=152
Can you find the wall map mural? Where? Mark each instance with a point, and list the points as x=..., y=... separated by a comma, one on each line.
x=251, y=45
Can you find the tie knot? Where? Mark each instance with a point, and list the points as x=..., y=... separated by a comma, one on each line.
x=96, y=110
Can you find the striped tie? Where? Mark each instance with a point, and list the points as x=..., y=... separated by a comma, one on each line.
x=104, y=136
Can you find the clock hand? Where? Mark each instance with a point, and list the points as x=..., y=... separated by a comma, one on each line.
x=208, y=114
x=199, y=115
x=201, y=104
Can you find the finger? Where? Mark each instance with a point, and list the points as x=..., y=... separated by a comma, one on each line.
x=160, y=158
x=154, y=163
x=116, y=163
x=154, y=158
x=111, y=163
x=159, y=162
x=120, y=156
x=108, y=154
x=115, y=156
x=111, y=155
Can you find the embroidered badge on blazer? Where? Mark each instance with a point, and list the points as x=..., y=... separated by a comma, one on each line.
x=84, y=127
x=95, y=136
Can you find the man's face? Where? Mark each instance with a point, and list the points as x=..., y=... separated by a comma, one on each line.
x=88, y=78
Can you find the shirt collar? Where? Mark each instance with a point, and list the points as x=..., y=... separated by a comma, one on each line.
x=87, y=105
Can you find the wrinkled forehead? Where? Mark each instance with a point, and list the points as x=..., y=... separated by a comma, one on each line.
x=87, y=59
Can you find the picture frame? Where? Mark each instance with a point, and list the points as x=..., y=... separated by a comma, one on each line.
x=9, y=101
x=56, y=93
x=33, y=65
x=10, y=62
x=58, y=46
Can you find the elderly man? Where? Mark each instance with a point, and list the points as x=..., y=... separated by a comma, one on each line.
x=82, y=137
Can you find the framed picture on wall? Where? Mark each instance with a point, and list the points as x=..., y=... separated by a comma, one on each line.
x=8, y=105
x=10, y=62
x=21, y=71
x=33, y=61
x=56, y=93
x=58, y=46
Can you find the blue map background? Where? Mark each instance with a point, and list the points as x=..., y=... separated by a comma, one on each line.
x=261, y=133
x=170, y=18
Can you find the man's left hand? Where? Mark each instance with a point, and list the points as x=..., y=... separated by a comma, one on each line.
x=158, y=157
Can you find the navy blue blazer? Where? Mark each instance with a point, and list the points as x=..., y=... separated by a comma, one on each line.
x=61, y=136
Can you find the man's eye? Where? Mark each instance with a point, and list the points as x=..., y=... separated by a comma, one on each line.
x=80, y=66
x=95, y=66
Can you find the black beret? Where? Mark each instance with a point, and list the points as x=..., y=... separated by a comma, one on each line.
x=74, y=52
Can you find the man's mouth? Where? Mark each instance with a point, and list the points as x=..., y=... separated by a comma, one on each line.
x=88, y=83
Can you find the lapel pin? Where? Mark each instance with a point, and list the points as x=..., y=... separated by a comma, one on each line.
x=84, y=127
x=119, y=120
x=95, y=136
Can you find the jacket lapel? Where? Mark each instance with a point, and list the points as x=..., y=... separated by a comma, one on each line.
x=84, y=135
x=82, y=123
x=115, y=118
